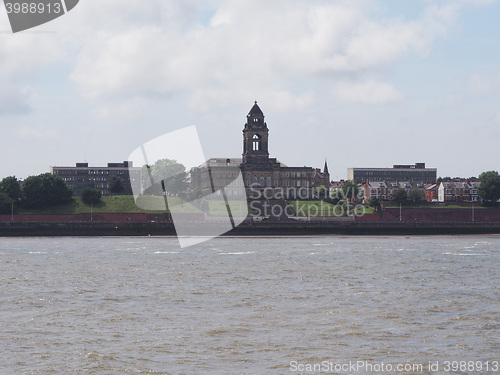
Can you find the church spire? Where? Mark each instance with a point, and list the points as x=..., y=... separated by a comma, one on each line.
x=325, y=168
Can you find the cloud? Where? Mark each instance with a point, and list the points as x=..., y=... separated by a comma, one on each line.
x=166, y=50
x=478, y=84
x=15, y=100
x=367, y=92
x=41, y=132
x=22, y=55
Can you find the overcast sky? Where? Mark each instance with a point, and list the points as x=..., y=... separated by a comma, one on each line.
x=360, y=83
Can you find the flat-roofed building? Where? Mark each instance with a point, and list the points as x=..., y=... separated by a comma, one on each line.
x=413, y=173
x=82, y=176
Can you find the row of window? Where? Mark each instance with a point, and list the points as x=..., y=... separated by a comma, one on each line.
x=83, y=179
x=92, y=171
x=394, y=173
x=228, y=174
x=268, y=182
x=293, y=174
x=454, y=198
x=282, y=174
x=461, y=192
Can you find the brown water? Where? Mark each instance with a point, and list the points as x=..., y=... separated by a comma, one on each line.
x=249, y=305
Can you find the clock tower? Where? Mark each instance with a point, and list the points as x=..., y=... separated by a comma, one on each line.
x=255, y=138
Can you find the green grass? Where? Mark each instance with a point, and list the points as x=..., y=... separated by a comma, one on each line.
x=113, y=204
x=126, y=204
x=147, y=204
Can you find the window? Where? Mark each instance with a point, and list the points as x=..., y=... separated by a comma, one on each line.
x=261, y=180
x=256, y=142
x=268, y=181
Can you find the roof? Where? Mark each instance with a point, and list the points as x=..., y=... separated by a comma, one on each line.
x=221, y=162
x=460, y=184
x=255, y=111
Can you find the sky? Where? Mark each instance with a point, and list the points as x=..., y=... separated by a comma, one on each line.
x=368, y=83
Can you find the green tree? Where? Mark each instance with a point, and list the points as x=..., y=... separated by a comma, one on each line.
x=322, y=192
x=416, y=195
x=115, y=185
x=5, y=203
x=169, y=177
x=400, y=196
x=10, y=186
x=91, y=196
x=350, y=189
x=45, y=190
x=196, y=194
x=489, y=189
x=375, y=203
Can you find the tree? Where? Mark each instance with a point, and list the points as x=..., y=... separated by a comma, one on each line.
x=400, y=196
x=45, y=190
x=5, y=203
x=91, y=196
x=416, y=195
x=168, y=176
x=375, y=203
x=489, y=189
x=10, y=186
x=322, y=192
x=115, y=185
x=350, y=189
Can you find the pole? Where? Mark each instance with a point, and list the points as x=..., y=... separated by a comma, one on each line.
x=12, y=211
x=400, y=213
x=90, y=211
x=472, y=211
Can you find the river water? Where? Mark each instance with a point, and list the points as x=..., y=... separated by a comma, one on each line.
x=275, y=305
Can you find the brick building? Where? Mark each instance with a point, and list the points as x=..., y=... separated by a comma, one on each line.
x=260, y=172
x=458, y=190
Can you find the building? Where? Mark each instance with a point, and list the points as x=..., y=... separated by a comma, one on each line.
x=413, y=173
x=261, y=173
x=458, y=190
x=220, y=172
x=431, y=192
x=83, y=176
x=384, y=190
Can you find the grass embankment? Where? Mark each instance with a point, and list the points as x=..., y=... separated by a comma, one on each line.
x=126, y=204
x=151, y=204
x=114, y=204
